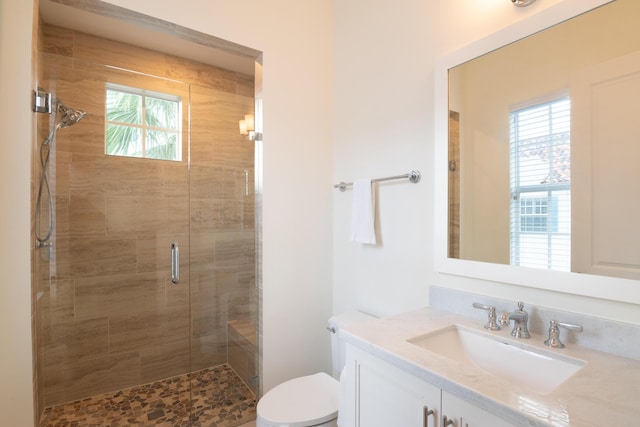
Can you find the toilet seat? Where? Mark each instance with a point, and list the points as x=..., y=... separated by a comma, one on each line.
x=300, y=402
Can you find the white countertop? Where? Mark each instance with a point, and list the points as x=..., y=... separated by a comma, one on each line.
x=605, y=392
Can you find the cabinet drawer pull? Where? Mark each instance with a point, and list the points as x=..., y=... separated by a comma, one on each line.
x=446, y=421
x=425, y=416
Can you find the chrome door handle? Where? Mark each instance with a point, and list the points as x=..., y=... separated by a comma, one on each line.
x=175, y=263
x=425, y=415
x=446, y=421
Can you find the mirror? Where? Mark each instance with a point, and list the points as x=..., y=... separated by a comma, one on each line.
x=579, y=210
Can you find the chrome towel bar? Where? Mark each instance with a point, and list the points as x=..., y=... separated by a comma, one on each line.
x=413, y=176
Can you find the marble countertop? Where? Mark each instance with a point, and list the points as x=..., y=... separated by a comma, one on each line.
x=604, y=392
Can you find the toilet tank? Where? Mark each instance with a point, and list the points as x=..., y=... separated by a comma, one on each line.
x=338, y=351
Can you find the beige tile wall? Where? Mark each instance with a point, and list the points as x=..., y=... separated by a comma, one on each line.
x=242, y=351
x=110, y=317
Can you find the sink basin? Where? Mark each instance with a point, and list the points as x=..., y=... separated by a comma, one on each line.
x=528, y=367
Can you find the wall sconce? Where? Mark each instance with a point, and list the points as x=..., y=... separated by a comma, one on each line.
x=522, y=3
x=247, y=127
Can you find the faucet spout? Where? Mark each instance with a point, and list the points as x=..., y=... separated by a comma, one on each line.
x=520, y=322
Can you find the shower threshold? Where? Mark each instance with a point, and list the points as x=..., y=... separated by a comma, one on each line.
x=218, y=398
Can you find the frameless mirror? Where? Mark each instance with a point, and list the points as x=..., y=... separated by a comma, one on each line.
x=544, y=142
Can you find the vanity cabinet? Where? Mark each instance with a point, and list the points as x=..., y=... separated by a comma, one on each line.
x=465, y=414
x=382, y=395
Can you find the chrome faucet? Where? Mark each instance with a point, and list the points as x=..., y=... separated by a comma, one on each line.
x=520, y=322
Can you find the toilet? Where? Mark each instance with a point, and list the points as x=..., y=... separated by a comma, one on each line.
x=311, y=400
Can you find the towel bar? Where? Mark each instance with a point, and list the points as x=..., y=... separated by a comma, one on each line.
x=413, y=176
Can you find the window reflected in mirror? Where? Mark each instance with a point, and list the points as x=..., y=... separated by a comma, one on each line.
x=540, y=176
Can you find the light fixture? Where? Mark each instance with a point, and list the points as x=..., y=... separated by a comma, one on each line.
x=522, y=3
x=247, y=127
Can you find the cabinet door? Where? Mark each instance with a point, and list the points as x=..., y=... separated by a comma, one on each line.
x=387, y=396
x=464, y=414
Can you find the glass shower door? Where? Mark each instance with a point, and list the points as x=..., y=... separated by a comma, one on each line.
x=113, y=307
x=223, y=257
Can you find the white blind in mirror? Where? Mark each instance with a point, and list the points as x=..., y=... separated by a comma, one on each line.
x=540, y=171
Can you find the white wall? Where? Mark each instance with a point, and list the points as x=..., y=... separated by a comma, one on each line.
x=385, y=56
x=383, y=120
x=16, y=395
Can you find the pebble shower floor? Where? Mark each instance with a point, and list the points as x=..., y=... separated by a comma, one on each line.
x=219, y=398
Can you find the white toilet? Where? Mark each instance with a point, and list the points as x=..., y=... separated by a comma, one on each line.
x=312, y=400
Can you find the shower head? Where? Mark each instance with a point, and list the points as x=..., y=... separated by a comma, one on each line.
x=70, y=116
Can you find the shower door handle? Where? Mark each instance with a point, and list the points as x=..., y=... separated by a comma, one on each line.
x=175, y=263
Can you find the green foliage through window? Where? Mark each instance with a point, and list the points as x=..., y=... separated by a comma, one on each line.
x=142, y=123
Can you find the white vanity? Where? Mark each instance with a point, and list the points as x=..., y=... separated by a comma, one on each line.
x=386, y=395
x=394, y=380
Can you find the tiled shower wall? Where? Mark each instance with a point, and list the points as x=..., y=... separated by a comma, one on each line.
x=109, y=315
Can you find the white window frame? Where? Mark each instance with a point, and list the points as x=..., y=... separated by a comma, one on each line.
x=144, y=128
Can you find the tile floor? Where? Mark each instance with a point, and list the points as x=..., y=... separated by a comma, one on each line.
x=220, y=399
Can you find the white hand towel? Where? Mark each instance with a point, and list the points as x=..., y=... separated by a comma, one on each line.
x=362, y=213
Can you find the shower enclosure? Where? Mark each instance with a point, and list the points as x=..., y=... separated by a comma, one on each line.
x=148, y=276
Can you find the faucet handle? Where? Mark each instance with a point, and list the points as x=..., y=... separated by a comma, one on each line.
x=482, y=306
x=491, y=324
x=569, y=326
x=554, y=333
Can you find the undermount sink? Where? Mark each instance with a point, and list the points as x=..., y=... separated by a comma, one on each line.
x=528, y=367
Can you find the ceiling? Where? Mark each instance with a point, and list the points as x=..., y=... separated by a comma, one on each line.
x=77, y=19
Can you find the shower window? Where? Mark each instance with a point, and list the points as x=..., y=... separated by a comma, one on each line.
x=142, y=123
